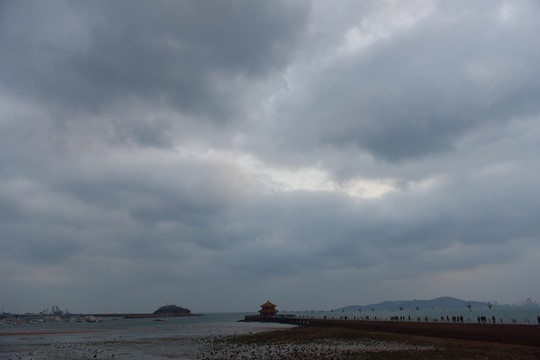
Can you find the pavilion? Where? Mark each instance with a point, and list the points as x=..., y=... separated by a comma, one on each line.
x=268, y=309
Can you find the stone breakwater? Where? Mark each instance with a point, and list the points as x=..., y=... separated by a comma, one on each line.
x=519, y=334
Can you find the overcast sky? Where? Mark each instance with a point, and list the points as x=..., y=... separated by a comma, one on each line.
x=218, y=154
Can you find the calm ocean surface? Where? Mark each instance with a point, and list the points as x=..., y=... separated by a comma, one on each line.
x=178, y=338
x=189, y=326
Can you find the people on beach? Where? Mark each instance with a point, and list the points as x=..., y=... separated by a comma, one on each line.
x=483, y=319
x=443, y=318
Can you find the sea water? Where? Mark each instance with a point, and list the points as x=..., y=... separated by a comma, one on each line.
x=178, y=337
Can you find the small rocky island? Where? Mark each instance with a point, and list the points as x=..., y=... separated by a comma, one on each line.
x=172, y=310
x=164, y=311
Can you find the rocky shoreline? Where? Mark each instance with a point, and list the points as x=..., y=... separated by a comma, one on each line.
x=295, y=343
x=519, y=334
x=326, y=343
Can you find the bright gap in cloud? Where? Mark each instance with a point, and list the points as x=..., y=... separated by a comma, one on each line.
x=390, y=18
x=304, y=178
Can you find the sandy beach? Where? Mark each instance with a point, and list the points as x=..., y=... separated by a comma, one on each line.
x=293, y=343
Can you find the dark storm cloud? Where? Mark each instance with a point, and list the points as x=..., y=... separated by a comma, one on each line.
x=417, y=91
x=194, y=151
x=181, y=53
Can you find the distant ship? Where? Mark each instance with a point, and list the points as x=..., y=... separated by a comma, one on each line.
x=93, y=319
x=438, y=308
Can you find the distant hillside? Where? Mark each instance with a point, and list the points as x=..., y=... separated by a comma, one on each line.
x=172, y=309
x=441, y=302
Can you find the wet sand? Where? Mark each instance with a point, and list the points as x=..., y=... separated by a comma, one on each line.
x=292, y=343
x=160, y=348
x=50, y=332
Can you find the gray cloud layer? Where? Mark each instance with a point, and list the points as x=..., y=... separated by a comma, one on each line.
x=153, y=151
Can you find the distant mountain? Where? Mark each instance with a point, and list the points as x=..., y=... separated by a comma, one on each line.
x=441, y=302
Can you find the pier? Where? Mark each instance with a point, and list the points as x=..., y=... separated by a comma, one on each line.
x=283, y=319
x=138, y=315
